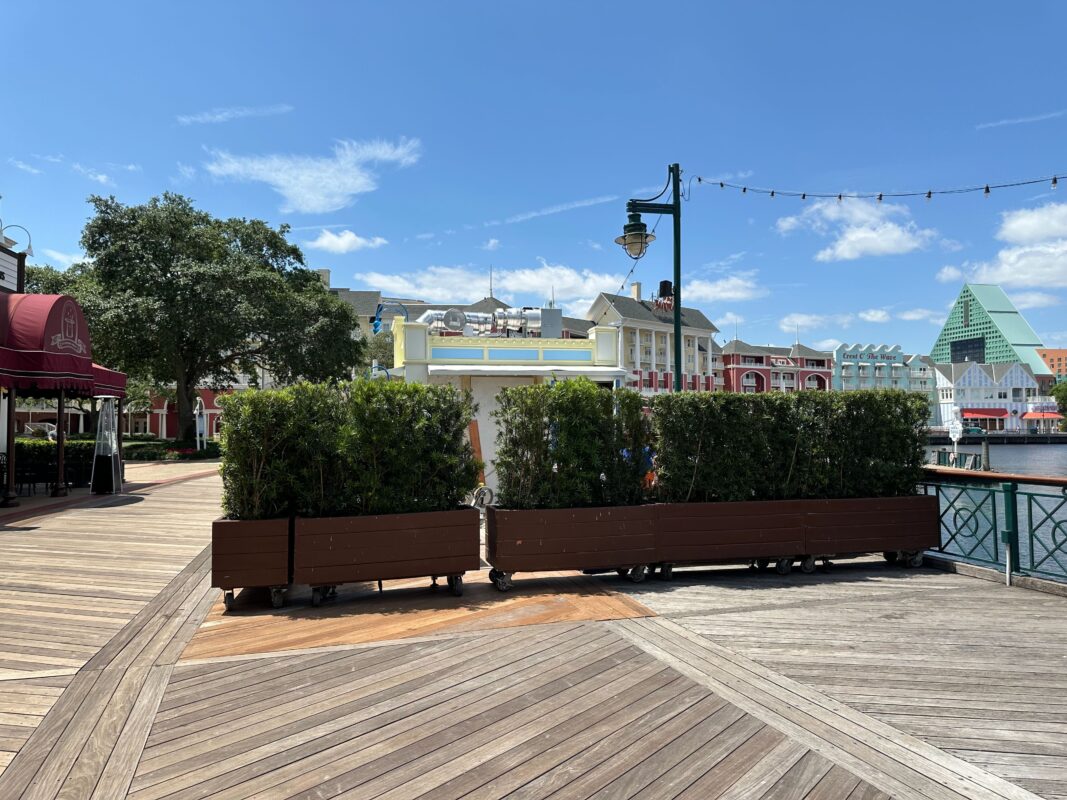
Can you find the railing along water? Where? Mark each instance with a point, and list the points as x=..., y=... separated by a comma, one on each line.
x=1017, y=523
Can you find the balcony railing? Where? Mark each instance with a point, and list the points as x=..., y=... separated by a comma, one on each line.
x=1014, y=523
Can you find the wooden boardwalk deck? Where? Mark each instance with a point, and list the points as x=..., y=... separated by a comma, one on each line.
x=864, y=683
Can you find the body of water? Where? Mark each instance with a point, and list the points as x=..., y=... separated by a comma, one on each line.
x=1026, y=459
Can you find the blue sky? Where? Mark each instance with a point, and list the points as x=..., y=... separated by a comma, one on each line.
x=413, y=145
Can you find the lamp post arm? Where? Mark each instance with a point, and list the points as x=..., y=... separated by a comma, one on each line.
x=645, y=207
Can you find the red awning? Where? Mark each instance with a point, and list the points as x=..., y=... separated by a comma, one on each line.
x=984, y=413
x=1042, y=415
x=108, y=382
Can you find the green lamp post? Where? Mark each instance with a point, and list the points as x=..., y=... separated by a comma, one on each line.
x=636, y=238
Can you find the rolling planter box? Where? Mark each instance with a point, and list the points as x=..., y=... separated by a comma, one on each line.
x=328, y=551
x=250, y=553
x=784, y=531
x=619, y=537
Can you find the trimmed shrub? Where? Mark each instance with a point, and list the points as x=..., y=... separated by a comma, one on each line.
x=404, y=447
x=36, y=460
x=570, y=443
x=371, y=447
x=777, y=446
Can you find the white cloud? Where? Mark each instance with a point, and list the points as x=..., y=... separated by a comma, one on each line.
x=62, y=260
x=574, y=289
x=1033, y=225
x=491, y=245
x=1025, y=300
x=1043, y=264
x=557, y=209
x=124, y=167
x=791, y=323
x=92, y=174
x=317, y=184
x=728, y=318
x=185, y=173
x=344, y=242
x=827, y=344
x=217, y=115
x=740, y=286
x=1020, y=120
x=951, y=245
x=726, y=263
x=424, y=236
x=874, y=315
x=1054, y=338
x=24, y=166
x=51, y=159
x=594, y=245
x=860, y=228
x=949, y=275
x=917, y=314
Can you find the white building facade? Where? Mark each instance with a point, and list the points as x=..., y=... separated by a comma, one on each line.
x=993, y=397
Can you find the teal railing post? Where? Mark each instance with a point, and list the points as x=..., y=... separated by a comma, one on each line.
x=1010, y=535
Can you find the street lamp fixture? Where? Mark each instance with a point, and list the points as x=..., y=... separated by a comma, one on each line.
x=28, y=249
x=635, y=237
x=635, y=240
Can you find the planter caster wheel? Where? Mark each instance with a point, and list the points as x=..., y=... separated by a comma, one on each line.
x=914, y=560
x=759, y=564
x=455, y=585
x=317, y=595
x=666, y=572
x=638, y=573
x=827, y=565
x=622, y=573
x=783, y=566
x=227, y=599
x=807, y=565
x=892, y=557
x=501, y=580
x=277, y=598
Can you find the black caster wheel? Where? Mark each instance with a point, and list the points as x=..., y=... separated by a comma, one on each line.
x=227, y=600
x=622, y=573
x=455, y=585
x=501, y=580
x=762, y=564
x=783, y=566
x=827, y=565
x=891, y=557
x=316, y=596
x=638, y=573
x=915, y=560
x=277, y=598
x=807, y=565
x=666, y=572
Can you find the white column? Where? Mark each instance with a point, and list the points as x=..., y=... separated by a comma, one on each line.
x=654, y=346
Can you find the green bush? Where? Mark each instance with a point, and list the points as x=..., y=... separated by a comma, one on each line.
x=36, y=459
x=371, y=447
x=776, y=446
x=570, y=443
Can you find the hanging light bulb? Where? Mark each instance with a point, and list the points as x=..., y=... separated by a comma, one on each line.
x=879, y=197
x=929, y=194
x=1054, y=181
x=744, y=189
x=772, y=192
x=804, y=196
x=986, y=192
x=839, y=198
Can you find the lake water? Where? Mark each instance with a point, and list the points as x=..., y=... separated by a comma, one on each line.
x=1027, y=459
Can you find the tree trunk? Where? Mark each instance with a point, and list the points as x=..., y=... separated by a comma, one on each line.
x=186, y=391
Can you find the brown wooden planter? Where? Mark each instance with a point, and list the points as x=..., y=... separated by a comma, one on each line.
x=871, y=525
x=709, y=533
x=329, y=551
x=250, y=553
x=569, y=539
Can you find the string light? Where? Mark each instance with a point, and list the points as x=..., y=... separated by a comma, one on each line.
x=986, y=189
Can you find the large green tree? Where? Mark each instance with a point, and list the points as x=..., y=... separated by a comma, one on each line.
x=176, y=296
x=1059, y=391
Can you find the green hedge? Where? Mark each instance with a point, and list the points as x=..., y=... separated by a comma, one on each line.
x=36, y=459
x=775, y=446
x=370, y=447
x=570, y=443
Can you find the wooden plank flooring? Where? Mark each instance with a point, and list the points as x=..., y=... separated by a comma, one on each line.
x=865, y=683
x=406, y=608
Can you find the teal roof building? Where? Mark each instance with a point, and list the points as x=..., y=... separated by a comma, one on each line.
x=984, y=326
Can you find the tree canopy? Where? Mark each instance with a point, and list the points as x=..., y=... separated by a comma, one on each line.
x=176, y=296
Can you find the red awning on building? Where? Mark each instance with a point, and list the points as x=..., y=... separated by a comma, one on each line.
x=984, y=413
x=108, y=382
x=1042, y=415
